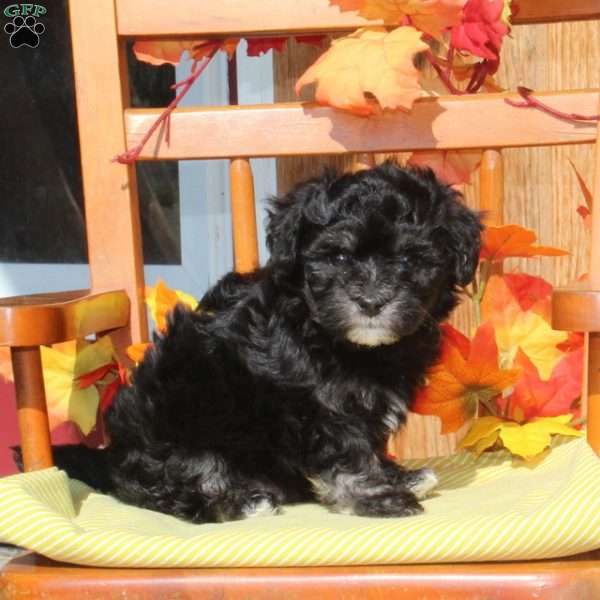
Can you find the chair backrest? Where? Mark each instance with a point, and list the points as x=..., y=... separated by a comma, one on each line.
x=108, y=126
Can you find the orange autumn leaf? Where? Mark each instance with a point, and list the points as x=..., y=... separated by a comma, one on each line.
x=162, y=300
x=160, y=52
x=455, y=385
x=369, y=61
x=512, y=293
x=136, y=351
x=505, y=241
x=348, y=4
x=430, y=16
x=455, y=167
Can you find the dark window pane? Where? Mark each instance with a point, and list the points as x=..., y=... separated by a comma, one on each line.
x=40, y=178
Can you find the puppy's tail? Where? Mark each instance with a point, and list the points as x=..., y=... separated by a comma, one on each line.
x=89, y=465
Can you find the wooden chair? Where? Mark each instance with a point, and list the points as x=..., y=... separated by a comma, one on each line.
x=115, y=303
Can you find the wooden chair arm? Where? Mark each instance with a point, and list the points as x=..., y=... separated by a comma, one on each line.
x=27, y=322
x=576, y=308
x=43, y=319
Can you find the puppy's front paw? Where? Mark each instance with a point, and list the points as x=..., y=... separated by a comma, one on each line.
x=420, y=482
x=260, y=504
x=388, y=504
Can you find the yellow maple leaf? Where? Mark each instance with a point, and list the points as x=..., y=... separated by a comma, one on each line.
x=162, y=299
x=527, y=441
x=534, y=437
x=62, y=364
x=506, y=13
x=369, y=61
x=482, y=435
x=533, y=334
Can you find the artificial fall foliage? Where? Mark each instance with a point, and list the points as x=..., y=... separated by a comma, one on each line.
x=455, y=167
x=527, y=440
x=71, y=372
x=467, y=375
x=512, y=240
x=370, y=61
x=522, y=411
x=161, y=300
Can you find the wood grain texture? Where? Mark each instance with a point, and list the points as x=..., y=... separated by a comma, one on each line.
x=110, y=195
x=540, y=188
x=576, y=577
x=289, y=129
x=31, y=408
x=51, y=318
x=232, y=17
x=243, y=216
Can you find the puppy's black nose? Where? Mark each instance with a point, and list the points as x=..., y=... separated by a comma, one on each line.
x=370, y=306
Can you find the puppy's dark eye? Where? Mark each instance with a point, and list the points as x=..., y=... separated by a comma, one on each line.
x=341, y=258
x=403, y=261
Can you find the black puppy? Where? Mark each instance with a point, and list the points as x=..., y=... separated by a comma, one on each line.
x=286, y=383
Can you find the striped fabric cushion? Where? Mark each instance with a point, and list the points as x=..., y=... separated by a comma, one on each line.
x=485, y=509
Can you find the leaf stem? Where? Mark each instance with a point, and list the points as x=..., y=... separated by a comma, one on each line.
x=485, y=270
x=489, y=407
x=531, y=102
x=442, y=74
x=130, y=156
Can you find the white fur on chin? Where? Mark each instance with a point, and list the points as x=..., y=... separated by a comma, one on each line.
x=371, y=336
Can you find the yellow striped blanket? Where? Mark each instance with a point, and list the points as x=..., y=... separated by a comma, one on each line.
x=484, y=509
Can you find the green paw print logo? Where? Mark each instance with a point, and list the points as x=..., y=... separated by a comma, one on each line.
x=24, y=28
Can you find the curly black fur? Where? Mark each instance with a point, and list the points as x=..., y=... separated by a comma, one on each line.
x=286, y=384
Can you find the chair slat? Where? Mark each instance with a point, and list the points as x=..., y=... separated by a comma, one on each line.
x=269, y=17
x=31, y=408
x=478, y=121
x=243, y=216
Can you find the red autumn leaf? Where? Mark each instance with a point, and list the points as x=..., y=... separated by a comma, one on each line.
x=108, y=394
x=258, y=46
x=452, y=337
x=572, y=343
x=505, y=241
x=368, y=61
x=455, y=167
x=456, y=385
x=311, y=40
x=533, y=397
x=110, y=391
x=527, y=289
x=95, y=376
x=482, y=28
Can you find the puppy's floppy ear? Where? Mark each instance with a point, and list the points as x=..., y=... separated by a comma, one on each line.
x=464, y=227
x=288, y=217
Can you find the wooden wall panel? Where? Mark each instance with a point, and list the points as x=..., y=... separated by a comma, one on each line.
x=541, y=189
